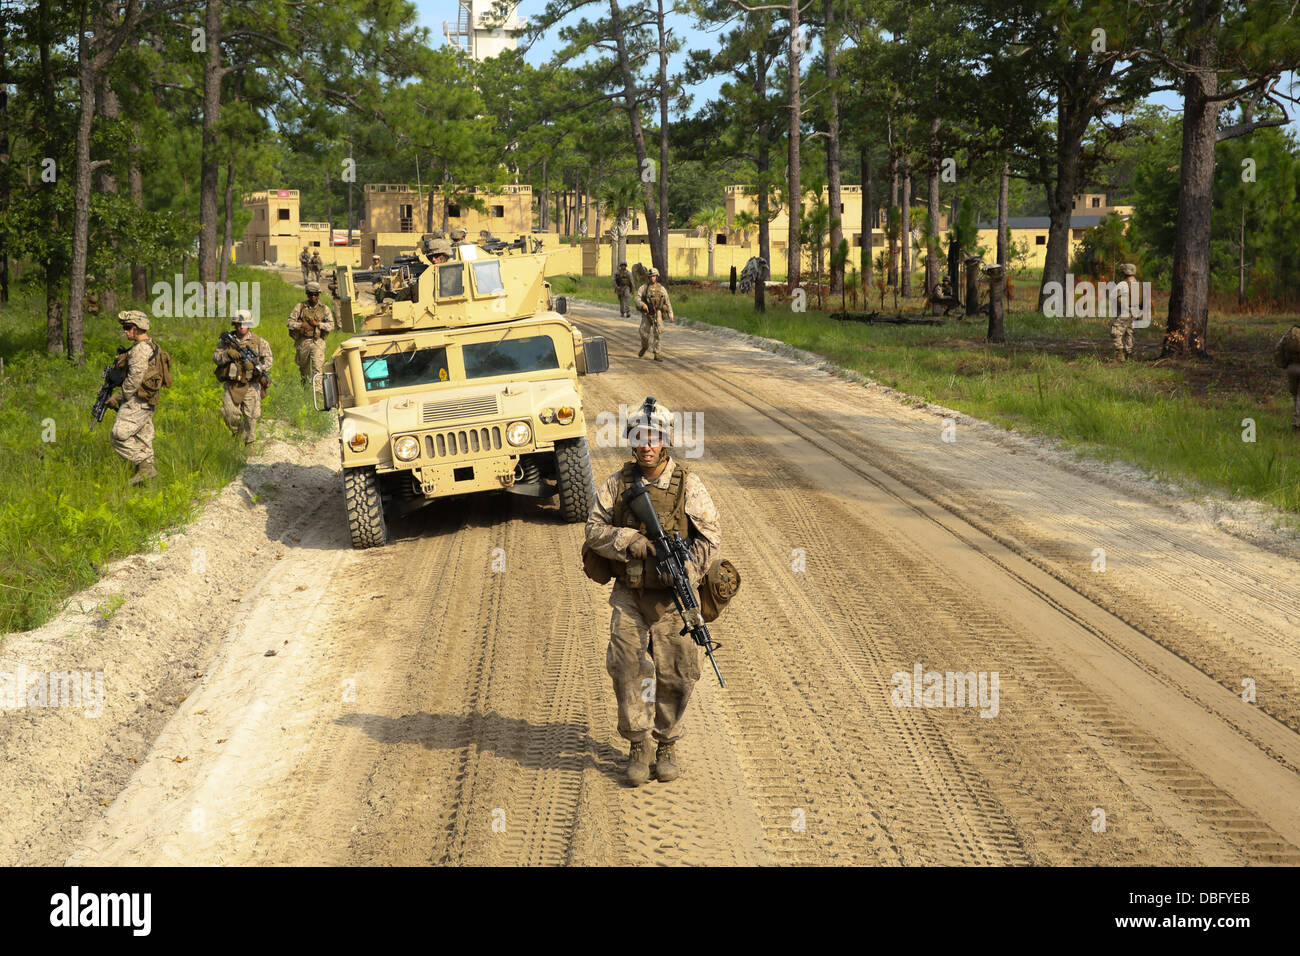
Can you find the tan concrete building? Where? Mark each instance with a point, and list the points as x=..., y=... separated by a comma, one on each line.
x=393, y=211
x=276, y=234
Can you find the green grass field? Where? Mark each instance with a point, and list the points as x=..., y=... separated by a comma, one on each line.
x=1179, y=420
x=67, y=509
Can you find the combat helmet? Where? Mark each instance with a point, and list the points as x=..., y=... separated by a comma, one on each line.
x=313, y=286
x=243, y=317
x=649, y=417
x=134, y=317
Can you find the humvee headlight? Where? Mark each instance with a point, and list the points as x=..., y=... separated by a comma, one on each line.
x=547, y=415
x=406, y=448
x=565, y=415
x=358, y=442
x=519, y=433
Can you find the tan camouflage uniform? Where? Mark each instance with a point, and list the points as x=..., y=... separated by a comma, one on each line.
x=646, y=649
x=241, y=401
x=623, y=289
x=133, y=428
x=1129, y=306
x=1287, y=356
x=305, y=259
x=654, y=298
x=316, y=266
x=309, y=339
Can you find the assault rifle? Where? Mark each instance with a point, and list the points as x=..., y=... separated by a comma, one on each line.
x=113, y=378
x=230, y=340
x=671, y=555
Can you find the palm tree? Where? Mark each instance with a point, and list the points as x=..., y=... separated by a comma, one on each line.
x=745, y=221
x=621, y=196
x=709, y=221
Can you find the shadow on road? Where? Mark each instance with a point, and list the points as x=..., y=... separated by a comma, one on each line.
x=552, y=746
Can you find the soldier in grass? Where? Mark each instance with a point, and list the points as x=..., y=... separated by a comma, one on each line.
x=316, y=265
x=133, y=429
x=1129, y=307
x=304, y=260
x=654, y=666
x=244, y=382
x=309, y=324
x=653, y=302
x=1287, y=357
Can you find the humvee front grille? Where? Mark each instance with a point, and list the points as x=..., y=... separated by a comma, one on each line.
x=435, y=412
x=460, y=442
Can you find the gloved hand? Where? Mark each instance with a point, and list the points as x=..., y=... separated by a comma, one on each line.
x=115, y=402
x=640, y=547
x=233, y=354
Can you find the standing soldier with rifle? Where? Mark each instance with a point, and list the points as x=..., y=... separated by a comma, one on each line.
x=305, y=259
x=654, y=666
x=133, y=430
x=623, y=289
x=655, y=307
x=316, y=265
x=309, y=323
x=243, y=359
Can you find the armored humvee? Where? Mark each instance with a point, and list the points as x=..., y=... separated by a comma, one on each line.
x=461, y=377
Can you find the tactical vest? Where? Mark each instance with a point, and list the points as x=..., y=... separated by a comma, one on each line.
x=656, y=298
x=317, y=313
x=669, y=503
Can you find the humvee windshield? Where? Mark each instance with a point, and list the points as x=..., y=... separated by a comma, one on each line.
x=403, y=369
x=530, y=354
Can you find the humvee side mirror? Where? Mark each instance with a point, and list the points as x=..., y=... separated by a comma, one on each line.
x=562, y=305
x=596, y=355
x=328, y=391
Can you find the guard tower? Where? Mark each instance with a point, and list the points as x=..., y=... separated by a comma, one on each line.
x=479, y=31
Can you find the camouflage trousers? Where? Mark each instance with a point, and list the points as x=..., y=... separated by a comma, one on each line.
x=1293, y=386
x=310, y=356
x=241, y=407
x=654, y=668
x=624, y=302
x=1121, y=334
x=133, y=431
x=306, y=276
x=651, y=328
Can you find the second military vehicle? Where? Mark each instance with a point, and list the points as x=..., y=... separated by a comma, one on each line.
x=461, y=377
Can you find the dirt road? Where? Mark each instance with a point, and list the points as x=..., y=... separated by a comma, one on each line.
x=443, y=700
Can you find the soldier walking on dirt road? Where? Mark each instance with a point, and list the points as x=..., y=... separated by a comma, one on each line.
x=623, y=289
x=653, y=302
x=653, y=666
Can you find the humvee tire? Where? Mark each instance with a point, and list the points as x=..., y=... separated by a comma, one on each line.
x=573, y=476
x=365, y=508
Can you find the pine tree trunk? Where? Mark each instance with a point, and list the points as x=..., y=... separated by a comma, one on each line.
x=53, y=275
x=1189, y=293
x=905, y=267
x=830, y=42
x=794, y=186
x=893, y=204
x=664, y=91
x=631, y=106
x=931, y=245
x=1004, y=198
x=868, y=222
x=1070, y=129
x=229, y=242
x=209, y=165
x=111, y=109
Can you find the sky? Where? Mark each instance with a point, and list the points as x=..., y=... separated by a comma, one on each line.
x=434, y=12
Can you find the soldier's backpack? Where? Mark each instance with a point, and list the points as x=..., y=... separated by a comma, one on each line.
x=1288, y=348
x=157, y=376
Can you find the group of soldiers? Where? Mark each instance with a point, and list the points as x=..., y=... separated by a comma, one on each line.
x=652, y=301
x=311, y=265
x=242, y=360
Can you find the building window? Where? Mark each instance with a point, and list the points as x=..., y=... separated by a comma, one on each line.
x=1096, y=202
x=283, y=213
x=453, y=211
x=498, y=212
x=1076, y=233
x=1040, y=240
x=406, y=216
x=877, y=241
x=261, y=214
x=721, y=239
x=857, y=241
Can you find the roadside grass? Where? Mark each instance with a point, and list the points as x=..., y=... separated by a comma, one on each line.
x=1178, y=420
x=65, y=507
